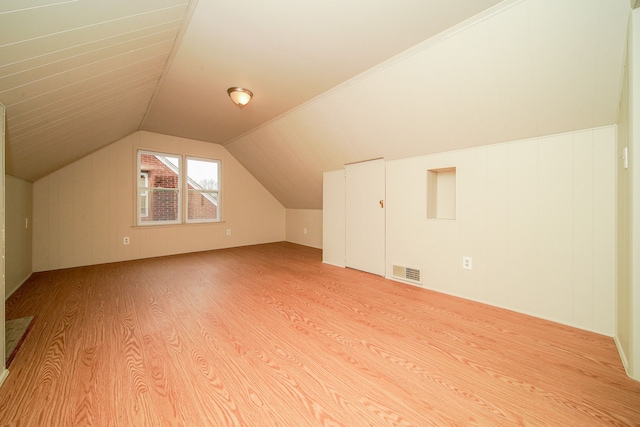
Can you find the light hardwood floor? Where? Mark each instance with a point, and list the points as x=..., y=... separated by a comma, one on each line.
x=267, y=335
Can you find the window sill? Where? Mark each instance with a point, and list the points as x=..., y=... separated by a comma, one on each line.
x=178, y=224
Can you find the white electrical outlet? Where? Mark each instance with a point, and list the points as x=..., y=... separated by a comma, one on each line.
x=228, y=232
x=467, y=262
x=304, y=230
x=26, y=223
x=125, y=241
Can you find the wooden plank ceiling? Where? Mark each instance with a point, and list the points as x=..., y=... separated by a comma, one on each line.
x=334, y=82
x=78, y=75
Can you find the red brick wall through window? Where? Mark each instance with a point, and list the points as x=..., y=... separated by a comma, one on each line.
x=163, y=205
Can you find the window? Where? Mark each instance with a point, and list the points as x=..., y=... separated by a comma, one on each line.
x=159, y=190
x=171, y=188
x=202, y=190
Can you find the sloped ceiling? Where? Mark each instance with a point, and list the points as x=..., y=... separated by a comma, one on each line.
x=334, y=82
x=286, y=52
x=78, y=75
x=533, y=68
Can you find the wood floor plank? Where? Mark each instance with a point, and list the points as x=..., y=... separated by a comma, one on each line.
x=267, y=335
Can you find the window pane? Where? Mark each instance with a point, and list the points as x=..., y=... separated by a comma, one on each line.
x=203, y=179
x=158, y=187
x=202, y=206
x=202, y=174
x=163, y=205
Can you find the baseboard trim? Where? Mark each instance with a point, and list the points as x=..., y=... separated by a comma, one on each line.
x=622, y=354
x=6, y=297
x=3, y=375
x=301, y=243
x=333, y=263
x=504, y=307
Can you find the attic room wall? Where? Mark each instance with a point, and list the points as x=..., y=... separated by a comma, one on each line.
x=634, y=161
x=537, y=217
x=628, y=203
x=623, y=211
x=83, y=211
x=304, y=227
x=18, y=243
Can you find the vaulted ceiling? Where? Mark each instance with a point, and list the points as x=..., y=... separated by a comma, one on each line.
x=334, y=82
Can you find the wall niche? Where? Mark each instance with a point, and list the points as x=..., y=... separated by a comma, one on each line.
x=441, y=193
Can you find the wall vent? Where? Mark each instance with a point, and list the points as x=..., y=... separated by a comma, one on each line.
x=407, y=273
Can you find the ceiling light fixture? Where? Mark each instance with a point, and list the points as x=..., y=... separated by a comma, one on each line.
x=240, y=96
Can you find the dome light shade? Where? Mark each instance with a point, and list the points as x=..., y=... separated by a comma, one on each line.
x=240, y=96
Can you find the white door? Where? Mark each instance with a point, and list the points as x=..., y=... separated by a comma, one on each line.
x=365, y=216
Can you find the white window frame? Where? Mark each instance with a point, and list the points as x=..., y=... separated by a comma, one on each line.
x=182, y=190
x=149, y=191
x=212, y=192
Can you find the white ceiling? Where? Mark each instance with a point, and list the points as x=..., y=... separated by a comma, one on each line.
x=78, y=75
x=286, y=52
x=531, y=68
x=334, y=82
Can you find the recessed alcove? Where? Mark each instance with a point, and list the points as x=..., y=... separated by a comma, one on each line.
x=441, y=193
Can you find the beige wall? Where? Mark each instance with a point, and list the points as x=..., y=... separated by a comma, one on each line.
x=18, y=197
x=624, y=314
x=537, y=217
x=628, y=250
x=304, y=226
x=4, y=371
x=333, y=218
x=634, y=212
x=83, y=211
